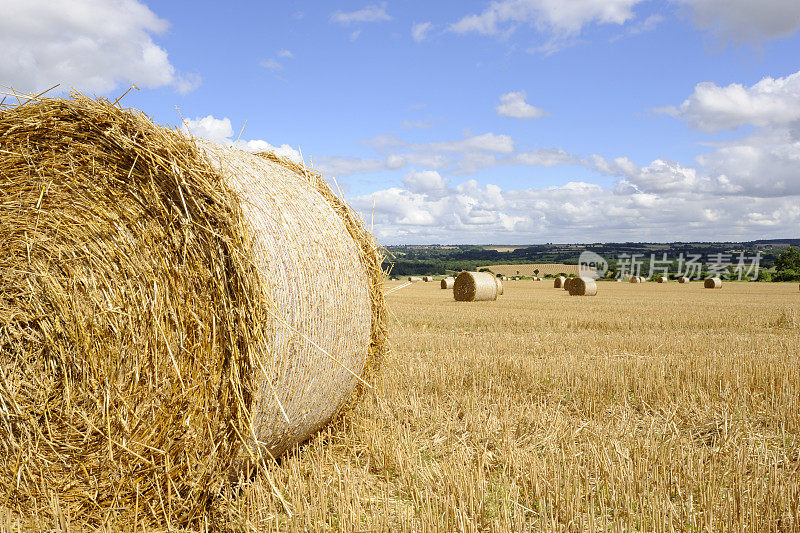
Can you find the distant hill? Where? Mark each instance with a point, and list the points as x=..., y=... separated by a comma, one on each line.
x=440, y=259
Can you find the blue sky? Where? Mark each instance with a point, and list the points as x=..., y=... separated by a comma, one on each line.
x=513, y=121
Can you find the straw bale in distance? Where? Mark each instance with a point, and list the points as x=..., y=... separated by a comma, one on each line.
x=447, y=283
x=499, y=285
x=159, y=298
x=712, y=283
x=663, y=279
x=683, y=279
x=475, y=286
x=427, y=279
x=583, y=287
x=414, y=278
x=635, y=279
x=558, y=283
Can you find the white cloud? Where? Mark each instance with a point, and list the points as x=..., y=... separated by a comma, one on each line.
x=220, y=131
x=545, y=157
x=285, y=53
x=513, y=105
x=767, y=103
x=574, y=212
x=425, y=182
x=346, y=166
x=370, y=13
x=746, y=20
x=417, y=124
x=763, y=163
x=555, y=16
x=271, y=64
x=488, y=142
x=419, y=32
x=91, y=45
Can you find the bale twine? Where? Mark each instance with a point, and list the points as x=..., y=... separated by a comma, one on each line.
x=447, y=283
x=475, y=286
x=499, y=285
x=558, y=283
x=712, y=283
x=583, y=287
x=167, y=307
x=414, y=278
x=683, y=279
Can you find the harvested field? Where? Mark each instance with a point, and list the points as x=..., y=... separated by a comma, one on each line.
x=539, y=411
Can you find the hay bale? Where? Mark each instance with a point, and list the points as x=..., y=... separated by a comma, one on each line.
x=414, y=278
x=712, y=283
x=635, y=279
x=567, y=283
x=427, y=279
x=583, y=287
x=663, y=279
x=166, y=304
x=447, y=283
x=475, y=286
x=558, y=283
x=499, y=285
x=683, y=279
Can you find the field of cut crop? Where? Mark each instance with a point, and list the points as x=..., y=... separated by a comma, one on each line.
x=646, y=408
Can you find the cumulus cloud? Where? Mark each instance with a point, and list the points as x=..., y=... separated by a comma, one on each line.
x=370, y=13
x=513, y=105
x=763, y=163
x=425, y=182
x=91, y=45
x=745, y=20
x=559, y=18
x=573, y=212
x=770, y=102
x=220, y=131
x=419, y=32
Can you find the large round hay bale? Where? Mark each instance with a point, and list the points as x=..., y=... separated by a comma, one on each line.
x=663, y=279
x=558, y=283
x=427, y=279
x=583, y=287
x=683, y=279
x=635, y=279
x=414, y=278
x=712, y=283
x=567, y=283
x=499, y=285
x=447, y=283
x=475, y=286
x=167, y=307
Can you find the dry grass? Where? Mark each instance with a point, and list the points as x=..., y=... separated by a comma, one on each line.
x=543, y=412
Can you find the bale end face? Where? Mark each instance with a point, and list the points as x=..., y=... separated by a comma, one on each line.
x=583, y=287
x=558, y=283
x=475, y=286
x=447, y=283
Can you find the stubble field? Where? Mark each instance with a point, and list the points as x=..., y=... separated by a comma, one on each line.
x=646, y=408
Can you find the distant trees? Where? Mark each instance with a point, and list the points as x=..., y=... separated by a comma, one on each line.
x=787, y=265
